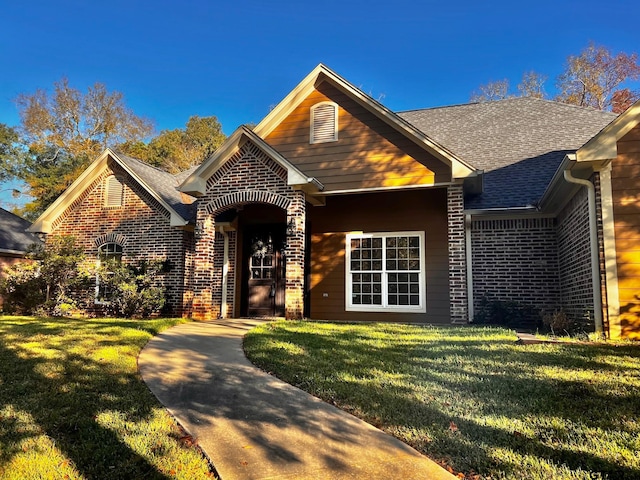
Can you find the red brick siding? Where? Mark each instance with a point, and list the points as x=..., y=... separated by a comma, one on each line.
x=142, y=224
x=249, y=176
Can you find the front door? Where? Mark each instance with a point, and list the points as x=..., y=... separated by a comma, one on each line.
x=266, y=275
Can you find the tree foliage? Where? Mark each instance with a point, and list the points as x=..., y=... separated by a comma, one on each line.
x=595, y=78
x=492, y=91
x=8, y=151
x=63, y=132
x=81, y=124
x=180, y=149
x=532, y=85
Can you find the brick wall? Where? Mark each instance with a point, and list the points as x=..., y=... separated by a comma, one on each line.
x=515, y=260
x=457, y=256
x=574, y=261
x=141, y=226
x=249, y=176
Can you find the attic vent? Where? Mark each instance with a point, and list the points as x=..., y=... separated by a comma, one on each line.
x=114, y=192
x=324, y=122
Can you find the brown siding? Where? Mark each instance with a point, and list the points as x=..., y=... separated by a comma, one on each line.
x=625, y=185
x=141, y=220
x=423, y=210
x=368, y=153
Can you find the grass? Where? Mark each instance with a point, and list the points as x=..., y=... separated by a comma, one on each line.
x=72, y=405
x=470, y=398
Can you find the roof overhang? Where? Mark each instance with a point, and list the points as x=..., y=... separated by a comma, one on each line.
x=196, y=183
x=459, y=168
x=604, y=146
x=44, y=223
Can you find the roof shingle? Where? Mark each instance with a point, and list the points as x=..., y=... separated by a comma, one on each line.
x=518, y=142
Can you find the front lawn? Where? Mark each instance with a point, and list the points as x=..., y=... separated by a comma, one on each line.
x=72, y=404
x=471, y=398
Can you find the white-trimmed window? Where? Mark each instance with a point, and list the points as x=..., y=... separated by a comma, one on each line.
x=113, y=192
x=324, y=122
x=109, y=253
x=385, y=272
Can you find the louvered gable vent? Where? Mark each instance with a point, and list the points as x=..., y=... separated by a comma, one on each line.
x=114, y=192
x=324, y=122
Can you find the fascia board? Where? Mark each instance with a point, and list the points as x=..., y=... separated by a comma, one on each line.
x=604, y=145
x=176, y=218
x=460, y=169
x=196, y=184
x=44, y=221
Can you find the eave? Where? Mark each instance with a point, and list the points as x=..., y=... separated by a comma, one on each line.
x=44, y=223
x=459, y=168
x=196, y=183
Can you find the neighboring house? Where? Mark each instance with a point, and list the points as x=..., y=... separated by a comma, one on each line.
x=14, y=240
x=335, y=208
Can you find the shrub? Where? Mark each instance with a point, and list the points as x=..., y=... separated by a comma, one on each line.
x=507, y=313
x=133, y=290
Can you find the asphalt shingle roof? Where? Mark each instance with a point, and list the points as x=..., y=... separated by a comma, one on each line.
x=163, y=183
x=13, y=234
x=518, y=142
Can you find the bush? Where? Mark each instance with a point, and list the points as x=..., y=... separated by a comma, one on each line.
x=507, y=313
x=23, y=289
x=132, y=290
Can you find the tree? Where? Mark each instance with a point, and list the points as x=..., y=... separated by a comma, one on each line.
x=80, y=124
x=532, y=85
x=64, y=131
x=492, y=91
x=8, y=151
x=595, y=78
x=179, y=149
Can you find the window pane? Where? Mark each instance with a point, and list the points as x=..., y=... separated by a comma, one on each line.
x=377, y=242
x=392, y=265
x=414, y=241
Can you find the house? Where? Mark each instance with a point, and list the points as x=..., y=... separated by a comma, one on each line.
x=14, y=240
x=334, y=207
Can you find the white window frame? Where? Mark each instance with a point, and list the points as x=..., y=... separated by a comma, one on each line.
x=97, y=300
x=385, y=307
x=333, y=138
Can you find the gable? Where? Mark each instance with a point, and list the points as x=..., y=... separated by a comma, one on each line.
x=89, y=210
x=108, y=161
x=367, y=154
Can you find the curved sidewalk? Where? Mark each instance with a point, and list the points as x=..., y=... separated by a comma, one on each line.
x=254, y=426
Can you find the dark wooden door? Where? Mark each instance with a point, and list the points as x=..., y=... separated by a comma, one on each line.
x=266, y=276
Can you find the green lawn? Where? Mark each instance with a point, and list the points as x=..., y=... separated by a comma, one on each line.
x=72, y=404
x=471, y=398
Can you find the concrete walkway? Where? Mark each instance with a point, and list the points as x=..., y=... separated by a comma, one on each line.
x=254, y=426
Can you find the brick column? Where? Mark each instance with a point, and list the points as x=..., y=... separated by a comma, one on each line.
x=203, y=266
x=294, y=292
x=457, y=259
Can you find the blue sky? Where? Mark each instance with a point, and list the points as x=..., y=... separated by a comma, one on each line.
x=236, y=60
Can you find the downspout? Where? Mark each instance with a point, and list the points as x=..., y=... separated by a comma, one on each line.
x=225, y=271
x=469, y=265
x=593, y=240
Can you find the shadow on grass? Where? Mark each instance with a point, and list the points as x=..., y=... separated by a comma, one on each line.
x=64, y=402
x=435, y=380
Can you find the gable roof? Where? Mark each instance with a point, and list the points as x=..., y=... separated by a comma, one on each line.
x=604, y=145
x=160, y=185
x=518, y=142
x=14, y=238
x=195, y=184
x=460, y=167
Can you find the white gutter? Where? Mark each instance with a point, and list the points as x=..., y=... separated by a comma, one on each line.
x=469, y=265
x=593, y=240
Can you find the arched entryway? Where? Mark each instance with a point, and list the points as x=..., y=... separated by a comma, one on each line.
x=261, y=251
